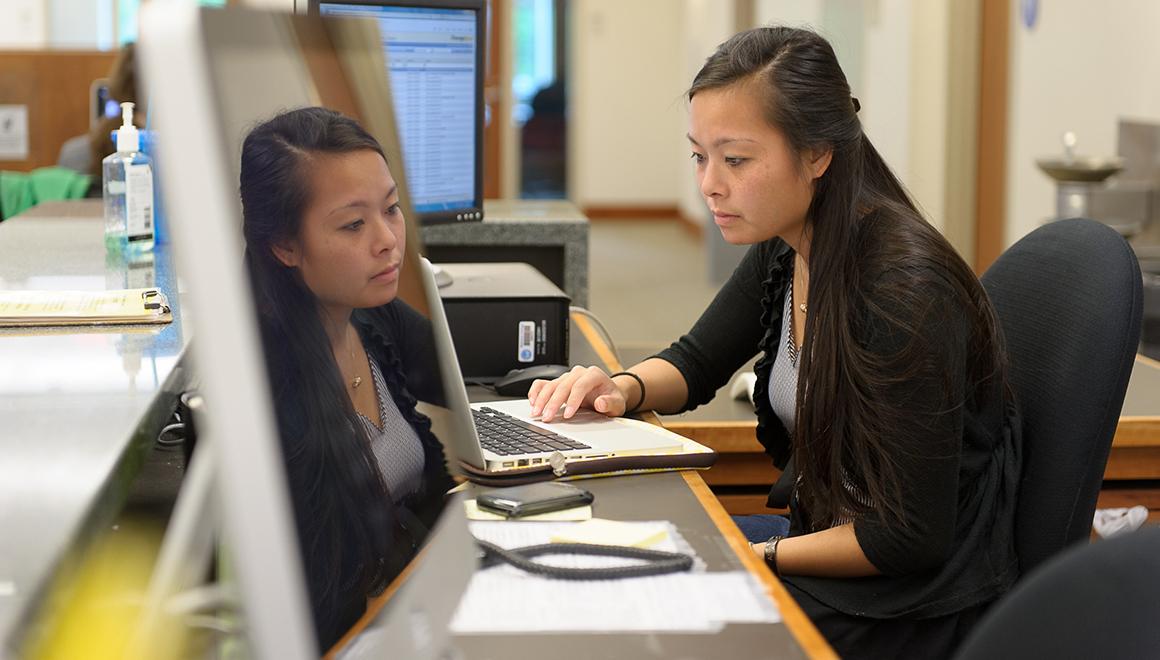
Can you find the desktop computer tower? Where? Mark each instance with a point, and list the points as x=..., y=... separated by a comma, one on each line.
x=504, y=316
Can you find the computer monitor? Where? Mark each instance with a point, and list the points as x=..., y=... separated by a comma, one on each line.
x=210, y=74
x=435, y=50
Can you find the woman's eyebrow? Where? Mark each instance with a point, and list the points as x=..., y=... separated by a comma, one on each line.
x=721, y=141
x=358, y=204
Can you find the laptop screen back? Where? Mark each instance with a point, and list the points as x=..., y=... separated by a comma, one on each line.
x=212, y=76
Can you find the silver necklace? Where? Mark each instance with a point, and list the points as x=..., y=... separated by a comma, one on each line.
x=357, y=380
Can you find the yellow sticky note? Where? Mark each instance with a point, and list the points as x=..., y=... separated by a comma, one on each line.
x=613, y=532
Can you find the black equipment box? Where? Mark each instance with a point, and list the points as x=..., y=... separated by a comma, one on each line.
x=504, y=316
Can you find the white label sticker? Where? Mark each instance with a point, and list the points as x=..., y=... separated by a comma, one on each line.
x=139, y=201
x=13, y=132
x=526, y=346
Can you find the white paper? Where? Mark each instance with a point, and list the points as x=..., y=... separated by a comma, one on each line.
x=13, y=132
x=506, y=600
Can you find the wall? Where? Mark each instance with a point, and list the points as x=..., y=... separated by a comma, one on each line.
x=872, y=41
x=884, y=84
x=24, y=24
x=627, y=115
x=80, y=24
x=707, y=23
x=1082, y=67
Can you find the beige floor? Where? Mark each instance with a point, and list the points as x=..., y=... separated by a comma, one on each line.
x=647, y=282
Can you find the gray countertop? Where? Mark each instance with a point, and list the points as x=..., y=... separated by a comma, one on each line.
x=527, y=223
x=78, y=406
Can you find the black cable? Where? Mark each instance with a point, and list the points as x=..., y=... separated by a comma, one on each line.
x=587, y=313
x=490, y=387
x=659, y=562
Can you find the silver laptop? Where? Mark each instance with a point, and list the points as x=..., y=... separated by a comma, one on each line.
x=503, y=435
x=210, y=74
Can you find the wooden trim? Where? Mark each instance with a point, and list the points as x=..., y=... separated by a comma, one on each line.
x=1133, y=464
x=1147, y=360
x=637, y=213
x=738, y=436
x=632, y=212
x=803, y=630
x=724, y=437
x=374, y=607
x=496, y=57
x=1137, y=432
x=692, y=227
x=991, y=162
x=53, y=85
x=592, y=337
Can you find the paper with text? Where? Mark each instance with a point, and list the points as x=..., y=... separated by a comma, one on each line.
x=506, y=600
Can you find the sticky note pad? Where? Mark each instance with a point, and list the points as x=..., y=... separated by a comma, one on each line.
x=613, y=532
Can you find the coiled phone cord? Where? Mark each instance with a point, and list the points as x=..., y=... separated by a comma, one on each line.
x=659, y=562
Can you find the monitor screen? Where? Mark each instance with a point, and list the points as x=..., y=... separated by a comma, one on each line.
x=435, y=56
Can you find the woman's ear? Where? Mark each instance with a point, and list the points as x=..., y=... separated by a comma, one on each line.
x=818, y=161
x=287, y=252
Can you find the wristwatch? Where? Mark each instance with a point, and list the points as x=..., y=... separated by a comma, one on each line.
x=771, y=553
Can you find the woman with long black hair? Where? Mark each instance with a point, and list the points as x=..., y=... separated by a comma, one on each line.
x=881, y=383
x=325, y=241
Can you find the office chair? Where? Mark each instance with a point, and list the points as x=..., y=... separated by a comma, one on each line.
x=1094, y=601
x=1069, y=300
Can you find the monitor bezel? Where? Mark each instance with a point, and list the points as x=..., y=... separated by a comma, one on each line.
x=473, y=213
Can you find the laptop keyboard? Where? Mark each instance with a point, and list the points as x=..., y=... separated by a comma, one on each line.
x=507, y=436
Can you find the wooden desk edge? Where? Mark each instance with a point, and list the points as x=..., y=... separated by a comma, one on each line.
x=800, y=626
x=374, y=607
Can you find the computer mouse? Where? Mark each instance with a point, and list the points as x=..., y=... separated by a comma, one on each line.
x=517, y=382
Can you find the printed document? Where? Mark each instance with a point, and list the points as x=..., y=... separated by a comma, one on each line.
x=504, y=599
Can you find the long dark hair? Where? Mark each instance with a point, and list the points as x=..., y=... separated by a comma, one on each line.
x=338, y=491
x=871, y=261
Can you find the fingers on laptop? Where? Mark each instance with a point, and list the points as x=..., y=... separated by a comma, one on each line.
x=580, y=386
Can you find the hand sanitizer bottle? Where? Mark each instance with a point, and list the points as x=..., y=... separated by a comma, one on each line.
x=128, y=191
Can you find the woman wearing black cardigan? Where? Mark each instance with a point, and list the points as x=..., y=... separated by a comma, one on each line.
x=881, y=384
x=325, y=241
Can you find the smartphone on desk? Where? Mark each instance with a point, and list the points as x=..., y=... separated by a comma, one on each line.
x=516, y=501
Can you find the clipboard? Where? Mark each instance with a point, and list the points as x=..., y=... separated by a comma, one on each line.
x=20, y=309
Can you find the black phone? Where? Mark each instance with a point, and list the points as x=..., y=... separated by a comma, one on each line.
x=516, y=501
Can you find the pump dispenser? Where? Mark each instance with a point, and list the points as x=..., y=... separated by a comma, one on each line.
x=128, y=190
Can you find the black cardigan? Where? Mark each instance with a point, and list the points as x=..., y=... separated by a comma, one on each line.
x=400, y=340
x=959, y=487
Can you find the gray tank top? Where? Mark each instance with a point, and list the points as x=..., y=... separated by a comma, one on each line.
x=783, y=383
x=396, y=446
x=783, y=377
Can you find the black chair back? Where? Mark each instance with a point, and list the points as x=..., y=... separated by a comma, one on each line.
x=1093, y=601
x=1069, y=299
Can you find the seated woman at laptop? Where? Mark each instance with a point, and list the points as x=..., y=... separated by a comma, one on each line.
x=882, y=372
x=325, y=241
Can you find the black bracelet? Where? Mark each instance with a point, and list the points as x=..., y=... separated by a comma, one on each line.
x=638, y=382
x=771, y=553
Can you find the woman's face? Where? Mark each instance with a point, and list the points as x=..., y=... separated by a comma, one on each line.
x=756, y=186
x=352, y=239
